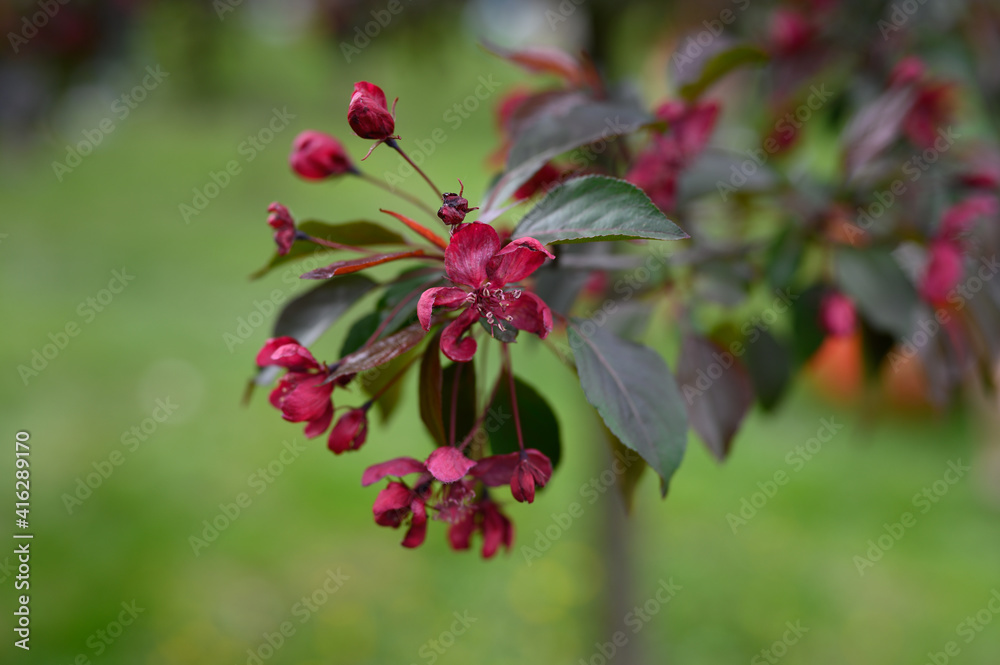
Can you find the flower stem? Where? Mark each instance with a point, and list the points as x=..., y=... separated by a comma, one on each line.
x=482, y=415
x=454, y=403
x=513, y=396
x=395, y=146
x=398, y=192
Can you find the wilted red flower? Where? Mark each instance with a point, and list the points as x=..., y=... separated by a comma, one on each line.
x=317, y=156
x=454, y=208
x=303, y=394
x=350, y=431
x=837, y=315
x=284, y=227
x=657, y=169
x=943, y=272
x=475, y=261
x=524, y=470
x=395, y=504
x=446, y=464
x=368, y=113
x=486, y=518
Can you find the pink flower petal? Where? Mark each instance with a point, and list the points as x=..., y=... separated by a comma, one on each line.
x=459, y=350
x=401, y=466
x=392, y=504
x=531, y=314
x=270, y=346
x=516, y=261
x=441, y=296
x=448, y=464
x=496, y=470
x=471, y=247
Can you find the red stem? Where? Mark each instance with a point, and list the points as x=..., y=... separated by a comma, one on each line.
x=513, y=397
x=395, y=146
x=398, y=192
x=454, y=404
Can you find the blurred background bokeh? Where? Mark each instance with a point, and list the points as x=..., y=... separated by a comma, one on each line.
x=139, y=440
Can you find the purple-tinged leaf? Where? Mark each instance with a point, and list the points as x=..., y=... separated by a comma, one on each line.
x=634, y=391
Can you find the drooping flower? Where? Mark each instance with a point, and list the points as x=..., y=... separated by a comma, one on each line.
x=486, y=518
x=284, y=227
x=836, y=315
x=523, y=470
x=303, y=394
x=368, y=114
x=350, y=431
x=481, y=271
x=395, y=504
x=398, y=501
x=317, y=156
x=943, y=272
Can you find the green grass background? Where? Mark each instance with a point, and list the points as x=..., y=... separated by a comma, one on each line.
x=163, y=338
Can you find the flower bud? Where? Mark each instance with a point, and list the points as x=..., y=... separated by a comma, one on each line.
x=317, y=156
x=368, y=113
x=284, y=227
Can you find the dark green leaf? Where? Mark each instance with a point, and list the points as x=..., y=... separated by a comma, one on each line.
x=539, y=425
x=399, y=301
x=308, y=316
x=717, y=392
x=431, y=382
x=596, y=208
x=360, y=332
x=770, y=365
x=359, y=234
x=714, y=67
x=577, y=122
x=634, y=392
x=784, y=258
x=879, y=287
x=808, y=333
